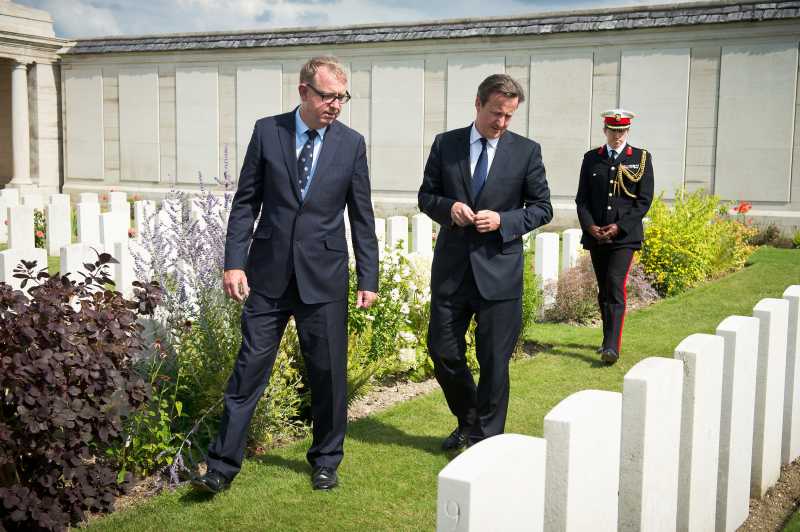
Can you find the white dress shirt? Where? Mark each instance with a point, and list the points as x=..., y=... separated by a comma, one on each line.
x=620, y=150
x=475, y=150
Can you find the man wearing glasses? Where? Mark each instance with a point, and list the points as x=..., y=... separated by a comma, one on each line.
x=301, y=169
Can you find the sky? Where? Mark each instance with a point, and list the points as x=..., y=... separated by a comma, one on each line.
x=94, y=18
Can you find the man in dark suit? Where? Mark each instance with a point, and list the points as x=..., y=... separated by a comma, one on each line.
x=486, y=188
x=301, y=169
x=614, y=193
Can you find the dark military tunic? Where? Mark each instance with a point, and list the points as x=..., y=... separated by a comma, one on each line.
x=608, y=194
x=605, y=197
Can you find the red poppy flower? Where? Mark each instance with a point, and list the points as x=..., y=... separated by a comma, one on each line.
x=744, y=207
x=39, y=234
x=131, y=232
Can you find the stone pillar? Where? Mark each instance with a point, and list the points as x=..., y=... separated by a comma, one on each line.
x=20, y=126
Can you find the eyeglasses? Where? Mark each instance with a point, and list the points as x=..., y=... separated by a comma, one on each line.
x=328, y=97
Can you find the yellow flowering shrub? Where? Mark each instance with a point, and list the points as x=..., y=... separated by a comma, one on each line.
x=691, y=241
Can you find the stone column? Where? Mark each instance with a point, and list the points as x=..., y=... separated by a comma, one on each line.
x=20, y=126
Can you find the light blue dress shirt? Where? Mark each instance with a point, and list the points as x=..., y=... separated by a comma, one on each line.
x=300, y=139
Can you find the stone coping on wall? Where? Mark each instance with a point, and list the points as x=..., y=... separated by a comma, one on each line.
x=595, y=20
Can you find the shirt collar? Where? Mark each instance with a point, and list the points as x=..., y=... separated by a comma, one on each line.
x=619, y=151
x=301, y=128
x=474, y=136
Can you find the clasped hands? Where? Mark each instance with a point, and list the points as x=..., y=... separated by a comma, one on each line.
x=484, y=221
x=605, y=234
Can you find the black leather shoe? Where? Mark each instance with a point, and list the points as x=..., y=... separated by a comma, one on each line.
x=609, y=356
x=212, y=482
x=324, y=478
x=457, y=440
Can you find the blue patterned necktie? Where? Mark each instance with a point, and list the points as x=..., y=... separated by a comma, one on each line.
x=481, y=171
x=305, y=161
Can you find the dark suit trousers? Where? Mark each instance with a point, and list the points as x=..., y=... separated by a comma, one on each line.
x=611, y=267
x=480, y=410
x=322, y=329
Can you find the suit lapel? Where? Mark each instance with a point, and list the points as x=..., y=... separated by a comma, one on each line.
x=500, y=160
x=286, y=132
x=463, y=161
x=330, y=144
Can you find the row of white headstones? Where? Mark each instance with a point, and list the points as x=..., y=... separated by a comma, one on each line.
x=683, y=447
x=109, y=232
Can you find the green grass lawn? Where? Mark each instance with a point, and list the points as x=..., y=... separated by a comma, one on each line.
x=392, y=459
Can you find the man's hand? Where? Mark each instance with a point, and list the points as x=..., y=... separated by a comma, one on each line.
x=234, y=282
x=610, y=231
x=596, y=231
x=486, y=221
x=365, y=298
x=462, y=214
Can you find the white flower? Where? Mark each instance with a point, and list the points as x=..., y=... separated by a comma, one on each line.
x=412, y=287
x=396, y=278
x=406, y=271
x=404, y=308
x=395, y=294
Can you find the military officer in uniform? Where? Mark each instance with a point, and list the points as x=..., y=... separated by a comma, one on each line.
x=614, y=194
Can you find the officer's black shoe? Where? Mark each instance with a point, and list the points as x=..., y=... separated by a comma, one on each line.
x=457, y=440
x=324, y=478
x=212, y=482
x=609, y=356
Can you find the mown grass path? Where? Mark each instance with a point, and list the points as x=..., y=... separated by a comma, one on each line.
x=392, y=458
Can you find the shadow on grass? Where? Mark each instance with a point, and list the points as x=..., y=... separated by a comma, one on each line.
x=567, y=349
x=298, y=466
x=372, y=430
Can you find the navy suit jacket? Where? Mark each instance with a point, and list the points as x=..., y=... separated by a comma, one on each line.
x=516, y=188
x=304, y=237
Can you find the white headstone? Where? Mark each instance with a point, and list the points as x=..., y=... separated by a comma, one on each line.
x=10, y=259
x=60, y=199
x=117, y=197
x=791, y=400
x=570, y=248
x=10, y=196
x=87, y=197
x=123, y=272
x=59, y=227
x=740, y=335
x=583, y=443
x=89, y=223
x=397, y=232
x=421, y=234
x=380, y=232
x=111, y=231
x=699, y=450
x=546, y=264
x=497, y=484
x=3, y=221
x=773, y=316
x=33, y=201
x=651, y=427
x=73, y=257
x=20, y=228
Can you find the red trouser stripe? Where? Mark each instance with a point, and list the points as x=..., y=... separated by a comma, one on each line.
x=624, y=306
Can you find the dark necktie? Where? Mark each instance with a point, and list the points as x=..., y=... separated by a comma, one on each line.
x=613, y=155
x=481, y=170
x=306, y=160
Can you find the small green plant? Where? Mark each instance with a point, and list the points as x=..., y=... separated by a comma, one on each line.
x=691, y=241
x=796, y=239
x=39, y=228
